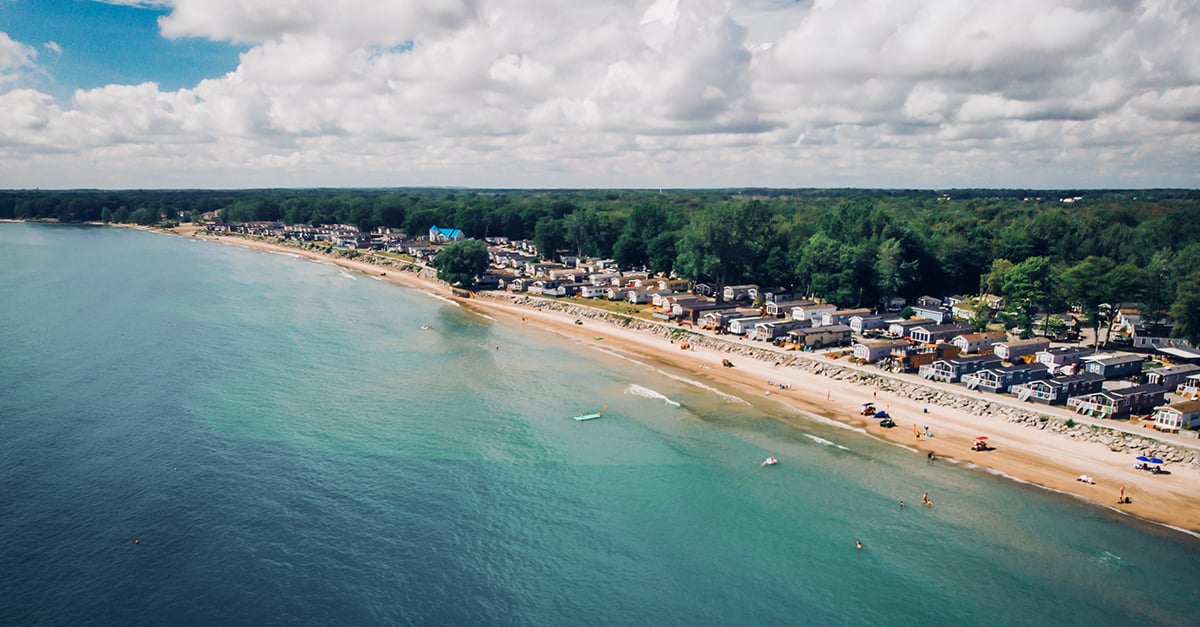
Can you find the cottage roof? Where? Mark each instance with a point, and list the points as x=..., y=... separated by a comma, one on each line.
x=833, y=328
x=1148, y=388
x=1186, y=407
x=942, y=328
x=1180, y=352
x=1180, y=369
x=1116, y=360
x=910, y=323
x=1033, y=341
x=884, y=343
x=1085, y=377
x=974, y=358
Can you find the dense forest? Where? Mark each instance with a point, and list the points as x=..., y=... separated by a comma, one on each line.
x=1042, y=250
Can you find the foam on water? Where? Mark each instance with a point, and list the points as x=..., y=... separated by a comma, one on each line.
x=707, y=388
x=352, y=278
x=645, y=392
x=821, y=440
x=439, y=297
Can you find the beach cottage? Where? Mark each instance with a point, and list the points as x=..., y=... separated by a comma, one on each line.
x=936, y=314
x=745, y=326
x=978, y=342
x=740, y=292
x=1114, y=366
x=1057, y=390
x=1189, y=387
x=811, y=312
x=841, y=316
x=1172, y=418
x=820, y=337
x=872, y=351
x=776, y=328
x=901, y=328
x=1172, y=375
x=951, y=370
x=1056, y=358
x=779, y=308
x=1000, y=379
x=934, y=333
x=867, y=322
x=1014, y=350
x=1123, y=402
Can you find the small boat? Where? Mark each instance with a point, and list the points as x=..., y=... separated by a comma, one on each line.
x=583, y=417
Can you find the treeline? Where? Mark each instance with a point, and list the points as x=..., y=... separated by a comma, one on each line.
x=852, y=247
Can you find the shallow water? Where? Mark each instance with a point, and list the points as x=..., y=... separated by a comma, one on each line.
x=288, y=446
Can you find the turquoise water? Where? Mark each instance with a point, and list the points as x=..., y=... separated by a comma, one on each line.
x=289, y=447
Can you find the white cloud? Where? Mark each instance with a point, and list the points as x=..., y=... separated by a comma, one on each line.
x=52, y=46
x=640, y=92
x=15, y=57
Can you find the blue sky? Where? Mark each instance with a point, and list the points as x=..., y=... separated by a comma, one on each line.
x=606, y=93
x=104, y=44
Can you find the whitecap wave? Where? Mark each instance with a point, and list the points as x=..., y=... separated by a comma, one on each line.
x=706, y=388
x=439, y=297
x=352, y=278
x=638, y=390
x=820, y=440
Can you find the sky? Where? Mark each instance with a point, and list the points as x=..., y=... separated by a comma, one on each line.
x=1058, y=94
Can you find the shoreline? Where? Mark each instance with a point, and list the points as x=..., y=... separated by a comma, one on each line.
x=1022, y=454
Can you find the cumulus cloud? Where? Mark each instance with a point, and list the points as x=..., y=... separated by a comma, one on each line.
x=15, y=57
x=642, y=92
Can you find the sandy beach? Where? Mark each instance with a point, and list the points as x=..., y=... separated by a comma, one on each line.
x=1025, y=454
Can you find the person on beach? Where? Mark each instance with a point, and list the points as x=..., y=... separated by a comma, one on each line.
x=930, y=455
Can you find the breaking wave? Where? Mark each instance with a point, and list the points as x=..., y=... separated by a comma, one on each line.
x=638, y=390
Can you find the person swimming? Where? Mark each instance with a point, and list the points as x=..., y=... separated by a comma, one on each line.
x=858, y=543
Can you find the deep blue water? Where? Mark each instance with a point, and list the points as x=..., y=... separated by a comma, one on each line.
x=288, y=446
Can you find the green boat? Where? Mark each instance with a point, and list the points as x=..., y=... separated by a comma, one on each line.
x=587, y=417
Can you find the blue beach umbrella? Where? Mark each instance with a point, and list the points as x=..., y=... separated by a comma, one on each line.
x=1142, y=458
x=1155, y=460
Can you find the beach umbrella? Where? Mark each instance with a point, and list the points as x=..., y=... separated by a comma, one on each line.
x=1143, y=458
x=981, y=437
x=1155, y=460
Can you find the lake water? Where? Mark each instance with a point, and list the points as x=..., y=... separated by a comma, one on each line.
x=288, y=446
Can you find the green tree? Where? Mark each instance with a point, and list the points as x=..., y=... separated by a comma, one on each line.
x=1084, y=285
x=1186, y=309
x=460, y=262
x=548, y=237
x=893, y=272
x=1028, y=287
x=722, y=241
x=993, y=281
x=981, y=314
